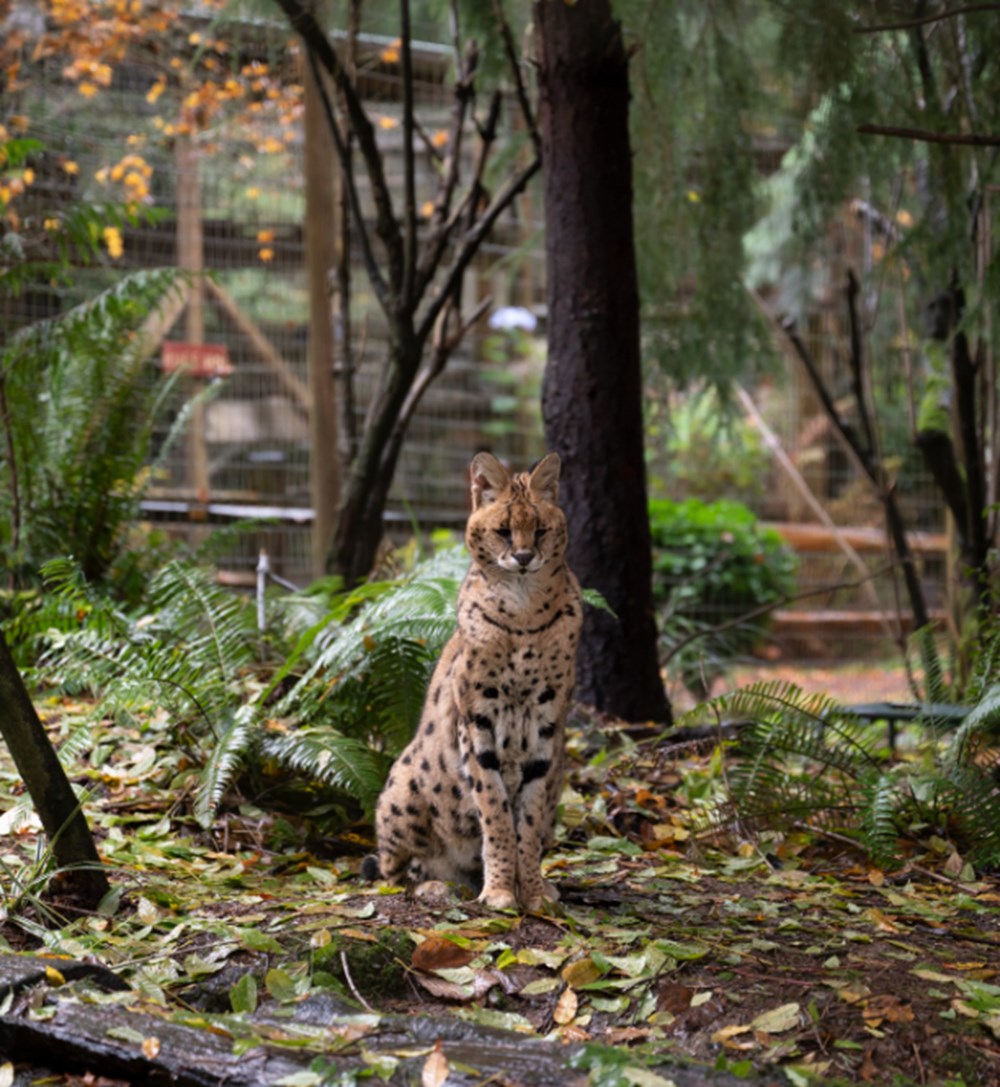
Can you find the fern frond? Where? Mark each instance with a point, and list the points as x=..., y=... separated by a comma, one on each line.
x=227, y=758
x=329, y=756
x=979, y=731
x=882, y=802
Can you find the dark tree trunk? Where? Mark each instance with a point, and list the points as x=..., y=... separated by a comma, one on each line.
x=81, y=875
x=592, y=392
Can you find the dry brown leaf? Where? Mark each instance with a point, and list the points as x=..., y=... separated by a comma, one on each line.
x=435, y=1070
x=888, y=1008
x=581, y=972
x=151, y=1048
x=672, y=997
x=440, y=953
x=566, y=1007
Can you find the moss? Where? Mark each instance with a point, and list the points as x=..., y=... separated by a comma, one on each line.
x=376, y=967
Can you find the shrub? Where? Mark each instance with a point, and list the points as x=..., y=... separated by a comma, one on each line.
x=713, y=567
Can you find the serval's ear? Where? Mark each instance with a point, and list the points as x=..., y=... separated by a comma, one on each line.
x=489, y=478
x=544, y=479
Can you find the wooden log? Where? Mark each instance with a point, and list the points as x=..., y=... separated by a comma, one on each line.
x=819, y=538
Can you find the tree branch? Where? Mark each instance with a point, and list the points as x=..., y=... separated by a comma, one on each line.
x=923, y=20
x=442, y=224
x=407, y=301
x=970, y=139
x=379, y=285
x=471, y=242
x=515, y=69
x=318, y=45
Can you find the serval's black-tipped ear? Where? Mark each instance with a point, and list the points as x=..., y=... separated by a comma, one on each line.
x=489, y=478
x=544, y=479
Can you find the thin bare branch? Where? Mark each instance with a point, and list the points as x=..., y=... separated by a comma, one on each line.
x=318, y=44
x=515, y=69
x=441, y=225
x=969, y=139
x=407, y=300
x=471, y=242
x=923, y=20
x=379, y=285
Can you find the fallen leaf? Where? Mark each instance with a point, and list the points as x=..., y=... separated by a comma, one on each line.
x=53, y=976
x=435, y=1070
x=672, y=997
x=151, y=1048
x=566, y=1007
x=581, y=972
x=440, y=953
x=725, y=1033
x=777, y=1020
x=886, y=1007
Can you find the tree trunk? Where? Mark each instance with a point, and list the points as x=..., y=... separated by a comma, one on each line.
x=591, y=395
x=69, y=836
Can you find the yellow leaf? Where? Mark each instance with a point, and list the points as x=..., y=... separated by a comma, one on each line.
x=581, y=972
x=435, y=1070
x=440, y=138
x=6, y=1074
x=388, y=122
x=777, y=1020
x=266, y=254
x=70, y=167
x=265, y=236
x=150, y=1048
x=54, y=976
x=725, y=1033
x=566, y=1007
x=87, y=89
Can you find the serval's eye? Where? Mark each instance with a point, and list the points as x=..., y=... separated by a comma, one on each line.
x=539, y=533
x=503, y=533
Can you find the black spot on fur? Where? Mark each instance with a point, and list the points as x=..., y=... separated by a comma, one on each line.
x=487, y=760
x=546, y=696
x=483, y=722
x=536, y=768
x=546, y=732
x=491, y=692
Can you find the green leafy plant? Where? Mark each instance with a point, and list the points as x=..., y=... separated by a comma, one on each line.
x=715, y=571
x=344, y=699
x=802, y=758
x=78, y=406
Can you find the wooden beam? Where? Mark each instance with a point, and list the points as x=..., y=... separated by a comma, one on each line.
x=262, y=346
x=819, y=538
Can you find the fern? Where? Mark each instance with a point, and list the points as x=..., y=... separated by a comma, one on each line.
x=82, y=407
x=801, y=757
x=228, y=756
x=327, y=755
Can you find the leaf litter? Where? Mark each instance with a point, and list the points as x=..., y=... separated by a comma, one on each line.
x=786, y=956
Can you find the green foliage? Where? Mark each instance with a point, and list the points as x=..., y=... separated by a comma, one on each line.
x=79, y=406
x=331, y=694
x=700, y=86
x=804, y=758
x=713, y=565
x=698, y=448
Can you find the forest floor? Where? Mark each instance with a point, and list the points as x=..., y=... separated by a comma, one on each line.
x=672, y=957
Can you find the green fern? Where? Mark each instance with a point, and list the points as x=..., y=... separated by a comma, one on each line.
x=229, y=755
x=82, y=405
x=326, y=755
x=801, y=757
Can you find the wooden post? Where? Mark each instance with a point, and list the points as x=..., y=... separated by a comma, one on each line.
x=190, y=258
x=321, y=233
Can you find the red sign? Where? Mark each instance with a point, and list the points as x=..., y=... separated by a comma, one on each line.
x=197, y=359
